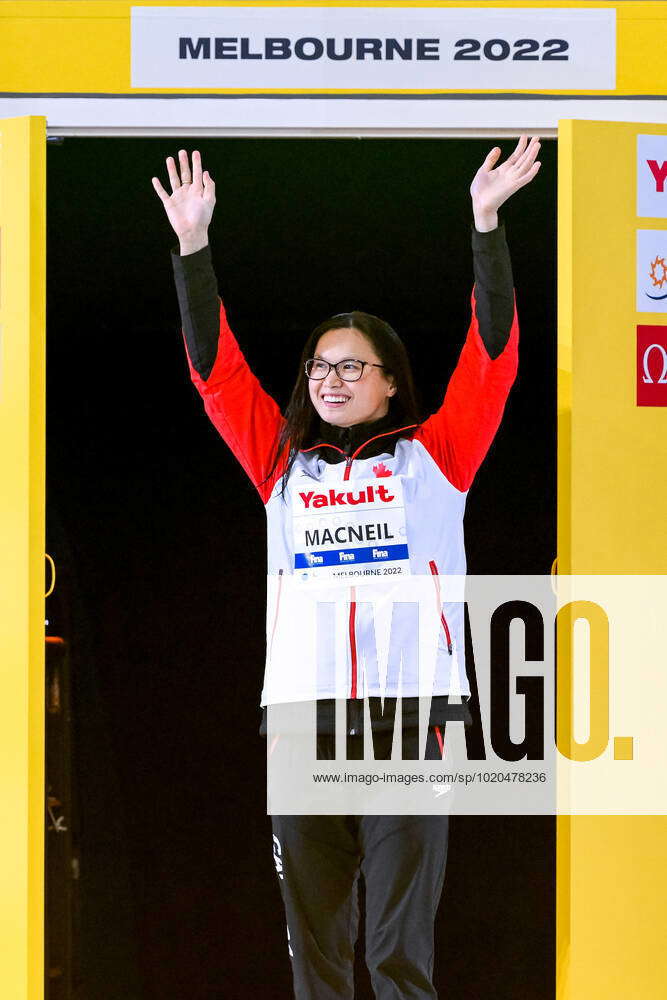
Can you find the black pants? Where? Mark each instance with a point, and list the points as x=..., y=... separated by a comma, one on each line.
x=402, y=860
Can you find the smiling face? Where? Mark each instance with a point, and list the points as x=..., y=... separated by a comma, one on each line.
x=346, y=403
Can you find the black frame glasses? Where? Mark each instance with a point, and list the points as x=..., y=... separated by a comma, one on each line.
x=336, y=367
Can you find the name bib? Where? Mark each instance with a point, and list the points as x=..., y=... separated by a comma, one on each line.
x=352, y=531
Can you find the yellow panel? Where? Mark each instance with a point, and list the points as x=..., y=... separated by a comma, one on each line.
x=22, y=426
x=84, y=46
x=612, y=483
x=618, y=471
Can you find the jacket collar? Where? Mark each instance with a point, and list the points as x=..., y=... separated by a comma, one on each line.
x=349, y=439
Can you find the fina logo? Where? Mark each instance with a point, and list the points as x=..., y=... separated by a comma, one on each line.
x=658, y=276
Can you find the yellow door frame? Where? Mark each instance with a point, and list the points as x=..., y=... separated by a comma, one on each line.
x=611, y=876
x=22, y=532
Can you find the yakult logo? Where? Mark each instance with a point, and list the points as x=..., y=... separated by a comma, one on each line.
x=652, y=176
x=352, y=498
x=659, y=171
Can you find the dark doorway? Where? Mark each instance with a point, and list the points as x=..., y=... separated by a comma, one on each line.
x=164, y=536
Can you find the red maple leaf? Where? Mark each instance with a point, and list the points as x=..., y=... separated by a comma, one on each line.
x=381, y=470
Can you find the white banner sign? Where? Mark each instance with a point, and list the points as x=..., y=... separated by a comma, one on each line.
x=373, y=48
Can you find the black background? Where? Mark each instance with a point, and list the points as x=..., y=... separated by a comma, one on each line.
x=160, y=539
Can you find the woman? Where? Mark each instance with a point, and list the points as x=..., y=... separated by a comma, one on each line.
x=351, y=440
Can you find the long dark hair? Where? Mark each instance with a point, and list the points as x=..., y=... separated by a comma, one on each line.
x=301, y=417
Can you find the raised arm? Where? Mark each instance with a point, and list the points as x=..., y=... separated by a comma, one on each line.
x=247, y=418
x=460, y=433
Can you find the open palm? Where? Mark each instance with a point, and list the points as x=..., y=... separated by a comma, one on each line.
x=190, y=206
x=492, y=185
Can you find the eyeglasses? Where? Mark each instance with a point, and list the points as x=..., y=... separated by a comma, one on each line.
x=348, y=370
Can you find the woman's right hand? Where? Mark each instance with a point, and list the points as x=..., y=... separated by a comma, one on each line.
x=190, y=206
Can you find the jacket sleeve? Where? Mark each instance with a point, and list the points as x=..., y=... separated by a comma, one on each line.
x=247, y=418
x=460, y=433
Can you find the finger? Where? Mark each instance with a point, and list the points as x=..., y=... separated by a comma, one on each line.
x=520, y=147
x=186, y=177
x=528, y=158
x=164, y=197
x=173, y=174
x=196, y=167
x=209, y=186
x=532, y=145
x=491, y=158
x=528, y=176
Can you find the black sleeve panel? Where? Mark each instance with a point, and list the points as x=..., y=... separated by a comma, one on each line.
x=197, y=290
x=494, y=288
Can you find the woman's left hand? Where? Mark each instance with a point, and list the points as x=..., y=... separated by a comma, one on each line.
x=493, y=185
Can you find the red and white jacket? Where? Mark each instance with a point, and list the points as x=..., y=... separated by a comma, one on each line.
x=397, y=627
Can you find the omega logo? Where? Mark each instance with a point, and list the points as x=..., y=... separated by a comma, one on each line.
x=663, y=376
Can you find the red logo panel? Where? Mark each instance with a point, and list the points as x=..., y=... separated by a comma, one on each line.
x=652, y=366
